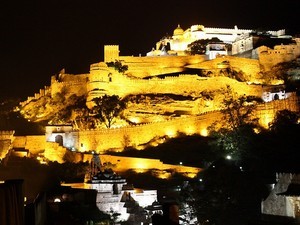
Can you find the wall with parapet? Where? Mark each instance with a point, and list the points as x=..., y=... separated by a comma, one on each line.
x=54, y=152
x=6, y=139
x=34, y=143
x=118, y=138
x=267, y=111
x=69, y=84
x=281, y=53
x=140, y=164
x=122, y=164
x=139, y=136
x=42, y=93
x=104, y=80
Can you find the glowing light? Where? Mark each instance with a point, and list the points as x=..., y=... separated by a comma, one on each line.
x=228, y=157
x=256, y=130
x=135, y=120
x=171, y=133
x=164, y=175
x=57, y=200
x=204, y=132
x=140, y=170
x=190, y=131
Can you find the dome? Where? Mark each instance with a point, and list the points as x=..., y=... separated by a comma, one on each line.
x=178, y=31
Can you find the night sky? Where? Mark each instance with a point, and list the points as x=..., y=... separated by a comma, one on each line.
x=39, y=38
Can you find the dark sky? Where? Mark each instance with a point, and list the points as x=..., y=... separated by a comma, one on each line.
x=39, y=38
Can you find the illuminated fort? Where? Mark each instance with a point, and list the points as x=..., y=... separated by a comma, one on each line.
x=163, y=71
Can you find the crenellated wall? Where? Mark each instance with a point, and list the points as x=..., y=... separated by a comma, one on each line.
x=281, y=53
x=139, y=135
x=69, y=84
x=34, y=143
x=42, y=92
x=142, y=164
x=6, y=139
x=118, y=138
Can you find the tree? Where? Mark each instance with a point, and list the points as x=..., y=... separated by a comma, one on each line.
x=284, y=119
x=236, y=132
x=238, y=110
x=108, y=108
x=199, y=46
x=117, y=65
x=223, y=194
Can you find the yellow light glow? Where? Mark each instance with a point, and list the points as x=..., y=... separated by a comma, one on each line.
x=171, y=133
x=265, y=121
x=163, y=175
x=256, y=130
x=135, y=120
x=204, y=132
x=190, y=131
x=190, y=175
x=140, y=170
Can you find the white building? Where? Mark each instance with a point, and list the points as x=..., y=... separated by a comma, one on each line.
x=240, y=39
x=284, y=199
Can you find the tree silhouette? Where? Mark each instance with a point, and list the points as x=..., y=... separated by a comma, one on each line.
x=107, y=108
x=236, y=132
x=199, y=46
x=118, y=66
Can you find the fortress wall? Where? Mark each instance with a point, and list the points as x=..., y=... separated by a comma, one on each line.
x=268, y=60
x=103, y=139
x=6, y=139
x=281, y=53
x=19, y=142
x=54, y=152
x=123, y=163
x=72, y=87
x=72, y=78
x=267, y=111
x=42, y=92
x=250, y=67
x=7, y=134
x=157, y=65
x=182, y=85
x=35, y=144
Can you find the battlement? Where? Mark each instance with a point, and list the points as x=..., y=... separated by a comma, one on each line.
x=6, y=134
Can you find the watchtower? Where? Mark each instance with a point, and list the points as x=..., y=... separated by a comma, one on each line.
x=111, y=53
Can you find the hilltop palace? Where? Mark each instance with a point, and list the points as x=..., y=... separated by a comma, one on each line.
x=240, y=39
x=154, y=74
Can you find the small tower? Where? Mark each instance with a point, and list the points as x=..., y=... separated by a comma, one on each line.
x=111, y=53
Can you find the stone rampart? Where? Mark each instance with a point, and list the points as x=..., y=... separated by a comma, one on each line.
x=151, y=66
x=42, y=92
x=54, y=152
x=34, y=143
x=6, y=139
x=123, y=163
x=267, y=111
x=184, y=84
x=118, y=138
x=69, y=87
x=281, y=53
x=7, y=134
x=137, y=136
